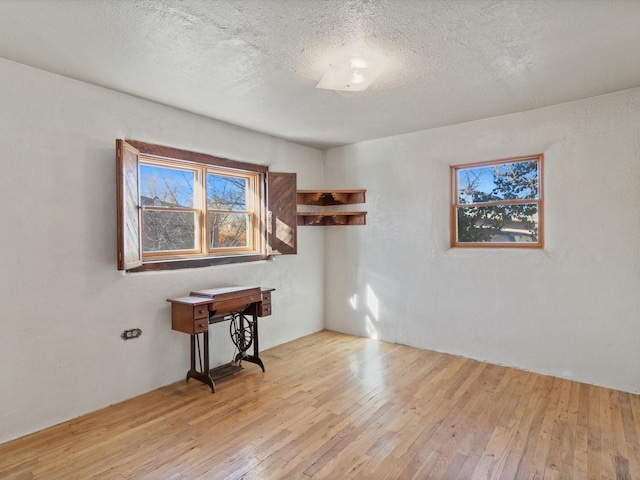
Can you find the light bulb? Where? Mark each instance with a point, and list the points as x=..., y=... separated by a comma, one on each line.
x=358, y=63
x=357, y=77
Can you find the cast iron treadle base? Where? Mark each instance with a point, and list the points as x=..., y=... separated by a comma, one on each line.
x=249, y=358
x=215, y=374
x=225, y=370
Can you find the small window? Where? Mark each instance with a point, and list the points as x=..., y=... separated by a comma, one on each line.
x=179, y=209
x=498, y=203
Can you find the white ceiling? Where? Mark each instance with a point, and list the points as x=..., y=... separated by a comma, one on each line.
x=256, y=63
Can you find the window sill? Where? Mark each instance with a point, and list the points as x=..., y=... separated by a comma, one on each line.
x=197, y=262
x=489, y=245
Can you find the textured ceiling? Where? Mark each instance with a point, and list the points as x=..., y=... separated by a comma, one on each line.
x=256, y=63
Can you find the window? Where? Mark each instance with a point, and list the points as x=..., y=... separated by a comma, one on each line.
x=176, y=196
x=179, y=209
x=498, y=203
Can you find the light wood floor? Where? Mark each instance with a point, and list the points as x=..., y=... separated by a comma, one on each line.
x=338, y=407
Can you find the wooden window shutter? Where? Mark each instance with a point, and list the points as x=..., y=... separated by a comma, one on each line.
x=282, y=218
x=128, y=208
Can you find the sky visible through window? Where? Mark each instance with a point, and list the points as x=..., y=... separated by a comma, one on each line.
x=167, y=187
x=172, y=187
x=486, y=183
x=226, y=193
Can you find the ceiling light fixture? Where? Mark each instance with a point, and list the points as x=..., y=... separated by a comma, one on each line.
x=355, y=77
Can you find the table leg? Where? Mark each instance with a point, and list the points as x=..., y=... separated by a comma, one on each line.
x=204, y=376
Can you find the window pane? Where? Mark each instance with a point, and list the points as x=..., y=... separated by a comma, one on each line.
x=166, y=187
x=498, y=224
x=229, y=230
x=492, y=183
x=226, y=193
x=167, y=230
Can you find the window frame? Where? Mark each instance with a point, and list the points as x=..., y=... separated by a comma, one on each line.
x=129, y=211
x=455, y=205
x=253, y=209
x=182, y=166
x=202, y=212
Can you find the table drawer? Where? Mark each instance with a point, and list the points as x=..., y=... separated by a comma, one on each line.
x=233, y=304
x=266, y=298
x=264, y=310
x=200, y=325
x=201, y=311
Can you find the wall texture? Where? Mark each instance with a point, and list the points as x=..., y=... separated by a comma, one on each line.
x=63, y=304
x=570, y=310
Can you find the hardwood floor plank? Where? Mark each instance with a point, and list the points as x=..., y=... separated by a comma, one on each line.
x=334, y=406
x=634, y=400
x=495, y=455
x=451, y=468
x=622, y=468
x=607, y=452
x=594, y=436
x=628, y=421
x=634, y=460
x=511, y=466
x=581, y=457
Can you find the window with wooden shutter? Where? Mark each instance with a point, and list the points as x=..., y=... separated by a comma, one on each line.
x=181, y=209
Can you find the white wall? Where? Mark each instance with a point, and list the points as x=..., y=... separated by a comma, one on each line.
x=63, y=304
x=570, y=310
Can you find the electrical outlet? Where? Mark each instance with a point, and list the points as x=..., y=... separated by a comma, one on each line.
x=129, y=334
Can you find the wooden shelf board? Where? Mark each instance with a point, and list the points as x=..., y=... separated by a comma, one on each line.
x=331, y=218
x=330, y=197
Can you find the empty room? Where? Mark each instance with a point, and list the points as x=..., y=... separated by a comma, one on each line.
x=320, y=239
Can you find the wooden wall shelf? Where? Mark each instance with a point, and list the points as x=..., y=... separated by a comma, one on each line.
x=325, y=198
x=331, y=218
